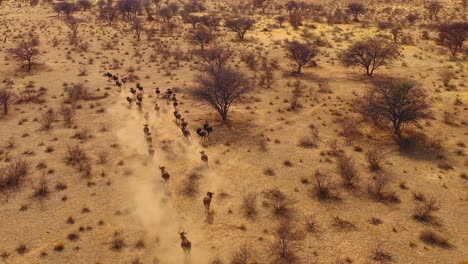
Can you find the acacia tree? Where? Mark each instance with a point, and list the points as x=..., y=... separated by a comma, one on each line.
x=356, y=9
x=6, y=98
x=452, y=36
x=215, y=58
x=221, y=89
x=434, y=8
x=398, y=102
x=26, y=52
x=262, y=4
x=240, y=25
x=200, y=36
x=301, y=54
x=370, y=53
x=138, y=27
x=109, y=14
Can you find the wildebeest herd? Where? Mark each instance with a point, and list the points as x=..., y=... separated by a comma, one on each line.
x=203, y=132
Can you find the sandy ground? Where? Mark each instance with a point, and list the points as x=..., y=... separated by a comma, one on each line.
x=125, y=198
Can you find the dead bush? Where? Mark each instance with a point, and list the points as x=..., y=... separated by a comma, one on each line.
x=348, y=171
x=323, y=186
x=446, y=75
x=13, y=175
x=286, y=244
x=423, y=211
x=280, y=202
x=311, y=223
x=47, y=119
x=375, y=156
x=378, y=189
x=342, y=225
x=42, y=189
x=32, y=95
x=75, y=155
x=77, y=92
x=242, y=255
x=433, y=238
x=67, y=113
x=379, y=255
x=249, y=205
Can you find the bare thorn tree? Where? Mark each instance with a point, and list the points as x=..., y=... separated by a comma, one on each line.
x=240, y=25
x=301, y=54
x=6, y=99
x=26, y=52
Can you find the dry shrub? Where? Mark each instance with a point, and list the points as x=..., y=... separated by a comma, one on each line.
x=323, y=186
x=311, y=223
x=377, y=190
x=375, y=156
x=249, y=205
x=47, y=119
x=42, y=189
x=75, y=156
x=379, y=255
x=77, y=92
x=308, y=142
x=67, y=114
x=242, y=255
x=13, y=175
x=286, y=244
x=423, y=211
x=446, y=76
x=280, y=202
x=32, y=95
x=342, y=224
x=348, y=170
x=350, y=130
x=190, y=185
x=433, y=238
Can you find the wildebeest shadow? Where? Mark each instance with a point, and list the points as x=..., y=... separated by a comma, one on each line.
x=210, y=217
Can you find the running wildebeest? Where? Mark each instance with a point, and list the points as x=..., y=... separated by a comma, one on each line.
x=156, y=107
x=139, y=97
x=115, y=78
x=204, y=157
x=186, y=133
x=129, y=100
x=146, y=129
x=207, y=201
x=185, y=244
x=133, y=91
x=164, y=174
x=208, y=128
x=201, y=133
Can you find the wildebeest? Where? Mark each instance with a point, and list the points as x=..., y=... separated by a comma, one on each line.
x=129, y=100
x=202, y=133
x=185, y=244
x=186, y=133
x=207, y=201
x=164, y=174
x=146, y=129
x=204, y=157
x=208, y=128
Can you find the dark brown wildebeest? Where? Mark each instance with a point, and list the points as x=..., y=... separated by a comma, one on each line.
x=164, y=174
x=185, y=244
x=207, y=201
x=204, y=157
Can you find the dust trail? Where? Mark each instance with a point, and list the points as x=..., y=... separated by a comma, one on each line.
x=153, y=200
